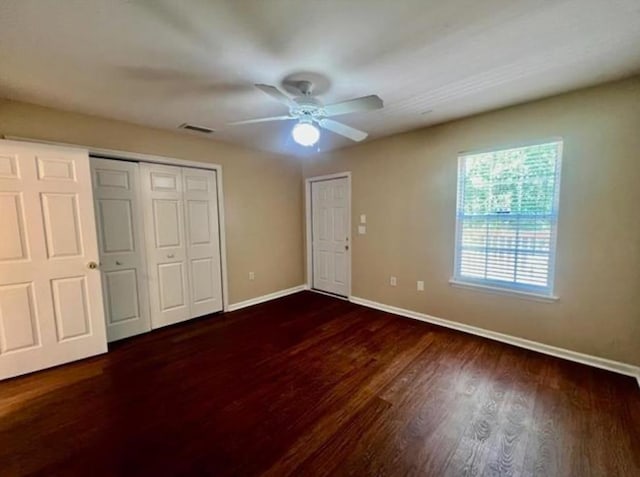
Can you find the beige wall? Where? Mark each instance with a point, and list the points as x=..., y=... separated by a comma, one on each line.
x=406, y=184
x=262, y=191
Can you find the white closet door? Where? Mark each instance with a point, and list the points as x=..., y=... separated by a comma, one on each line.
x=203, y=240
x=330, y=220
x=50, y=294
x=165, y=244
x=121, y=245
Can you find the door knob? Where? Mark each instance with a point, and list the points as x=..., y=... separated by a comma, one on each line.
x=118, y=262
x=92, y=265
x=170, y=255
x=346, y=247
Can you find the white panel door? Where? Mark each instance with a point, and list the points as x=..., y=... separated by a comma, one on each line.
x=203, y=240
x=121, y=246
x=331, y=233
x=50, y=300
x=166, y=244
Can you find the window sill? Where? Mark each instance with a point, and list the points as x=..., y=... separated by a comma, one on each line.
x=504, y=291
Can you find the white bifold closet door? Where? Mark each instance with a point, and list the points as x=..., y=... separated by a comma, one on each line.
x=203, y=240
x=182, y=241
x=121, y=243
x=50, y=293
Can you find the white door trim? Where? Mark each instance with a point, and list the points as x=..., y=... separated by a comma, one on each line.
x=139, y=157
x=123, y=155
x=308, y=224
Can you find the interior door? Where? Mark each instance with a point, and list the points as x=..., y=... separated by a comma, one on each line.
x=203, y=240
x=330, y=240
x=50, y=293
x=165, y=243
x=121, y=246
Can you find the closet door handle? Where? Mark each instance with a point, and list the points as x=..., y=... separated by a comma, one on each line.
x=118, y=262
x=170, y=255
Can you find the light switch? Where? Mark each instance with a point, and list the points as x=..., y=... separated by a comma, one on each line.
x=363, y=219
x=420, y=285
x=362, y=230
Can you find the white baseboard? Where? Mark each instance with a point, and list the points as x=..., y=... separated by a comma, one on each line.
x=267, y=297
x=595, y=361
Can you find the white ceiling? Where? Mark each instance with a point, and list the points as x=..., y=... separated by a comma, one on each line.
x=165, y=62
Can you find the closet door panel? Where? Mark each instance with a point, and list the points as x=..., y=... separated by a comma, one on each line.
x=166, y=219
x=172, y=284
x=123, y=298
x=203, y=240
x=166, y=244
x=121, y=244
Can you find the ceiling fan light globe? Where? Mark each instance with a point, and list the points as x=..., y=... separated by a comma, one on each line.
x=305, y=134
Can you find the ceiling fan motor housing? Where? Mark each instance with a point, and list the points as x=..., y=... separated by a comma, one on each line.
x=307, y=107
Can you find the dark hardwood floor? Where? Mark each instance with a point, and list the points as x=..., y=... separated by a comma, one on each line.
x=311, y=385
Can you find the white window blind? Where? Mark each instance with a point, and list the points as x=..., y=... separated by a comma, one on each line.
x=507, y=217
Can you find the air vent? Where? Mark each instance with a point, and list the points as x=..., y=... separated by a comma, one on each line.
x=193, y=127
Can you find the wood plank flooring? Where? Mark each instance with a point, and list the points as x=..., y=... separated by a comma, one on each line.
x=311, y=385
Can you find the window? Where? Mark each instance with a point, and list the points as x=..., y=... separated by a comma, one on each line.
x=507, y=217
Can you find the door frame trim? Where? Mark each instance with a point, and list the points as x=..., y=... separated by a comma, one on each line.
x=308, y=227
x=171, y=161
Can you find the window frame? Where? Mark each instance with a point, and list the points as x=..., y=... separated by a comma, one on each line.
x=499, y=286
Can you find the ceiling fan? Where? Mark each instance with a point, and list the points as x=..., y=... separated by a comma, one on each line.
x=311, y=114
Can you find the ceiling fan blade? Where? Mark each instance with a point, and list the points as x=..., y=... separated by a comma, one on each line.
x=365, y=103
x=275, y=93
x=260, y=120
x=342, y=129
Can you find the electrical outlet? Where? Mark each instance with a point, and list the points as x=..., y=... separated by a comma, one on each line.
x=252, y=276
x=393, y=281
x=420, y=285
